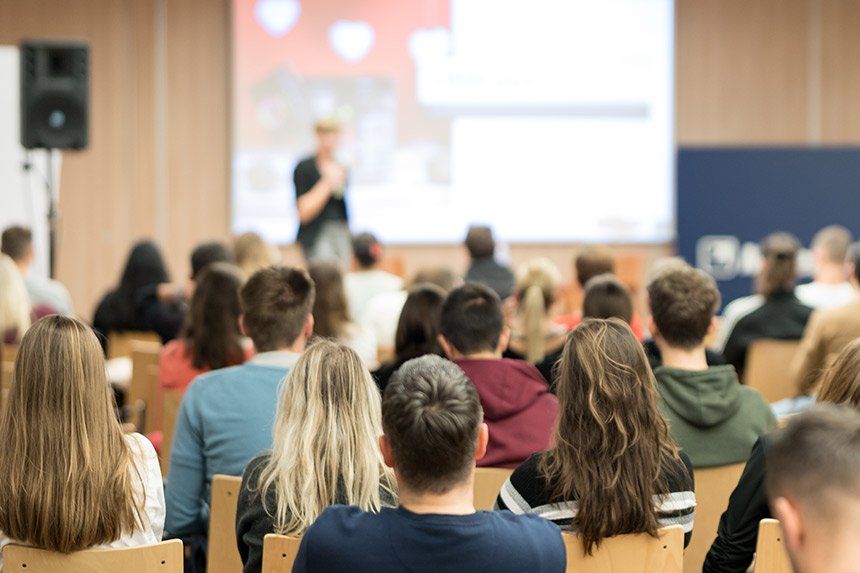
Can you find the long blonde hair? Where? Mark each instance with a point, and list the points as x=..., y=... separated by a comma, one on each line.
x=253, y=253
x=325, y=448
x=66, y=477
x=537, y=282
x=14, y=301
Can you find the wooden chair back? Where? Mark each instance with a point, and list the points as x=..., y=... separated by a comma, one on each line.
x=223, y=554
x=768, y=368
x=170, y=402
x=488, y=483
x=770, y=553
x=8, y=352
x=119, y=343
x=714, y=486
x=279, y=552
x=635, y=553
x=165, y=557
x=143, y=388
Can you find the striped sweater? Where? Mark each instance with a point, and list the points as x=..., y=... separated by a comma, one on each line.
x=527, y=491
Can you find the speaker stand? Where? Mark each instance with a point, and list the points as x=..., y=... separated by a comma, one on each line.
x=52, y=214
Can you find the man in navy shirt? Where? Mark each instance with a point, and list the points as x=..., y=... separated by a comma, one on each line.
x=433, y=435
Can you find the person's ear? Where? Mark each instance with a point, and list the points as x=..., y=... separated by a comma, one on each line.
x=504, y=339
x=483, y=439
x=652, y=328
x=385, y=448
x=791, y=522
x=447, y=347
x=308, y=330
x=242, y=327
x=712, y=327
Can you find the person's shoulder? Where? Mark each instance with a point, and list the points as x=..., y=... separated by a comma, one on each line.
x=338, y=522
x=305, y=163
x=518, y=533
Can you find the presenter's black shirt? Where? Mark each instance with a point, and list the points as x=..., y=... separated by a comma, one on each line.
x=305, y=176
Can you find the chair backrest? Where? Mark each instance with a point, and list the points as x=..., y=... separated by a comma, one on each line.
x=488, y=483
x=143, y=389
x=119, y=343
x=171, y=400
x=279, y=552
x=223, y=552
x=7, y=366
x=714, y=486
x=770, y=554
x=768, y=368
x=633, y=553
x=165, y=557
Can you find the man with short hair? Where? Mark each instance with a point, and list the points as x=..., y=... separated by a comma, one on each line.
x=367, y=280
x=433, y=434
x=226, y=415
x=484, y=268
x=829, y=287
x=813, y=484
x=518, y=406
x=713, y=418
x=17, y=244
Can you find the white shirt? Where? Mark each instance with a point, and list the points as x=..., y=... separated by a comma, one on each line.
x=45, y=291
x=362, y=286
x=818, y=295
x=382, y=314
x=363, y=341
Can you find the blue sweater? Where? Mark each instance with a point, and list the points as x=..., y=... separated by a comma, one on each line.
x=225, y=419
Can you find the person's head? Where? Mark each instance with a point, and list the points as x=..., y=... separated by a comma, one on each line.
x=537, y=283
x=324, y=447
x=366, y=250
x=472, y=322
x=327, y=131
x=812, y=477
x=442, y=277
x=212, y=323
x=778, y=264
x=433, y=427
x=17, y=243
x=607, y=297
x=144, y=267
x=854, y=263
x=67, y=474
x=609, y=424
x=253, y=253
x=15, y=305
x=331, y=309
x=418, y=327
x=206, y=254
x=276, y=308
x=683, y=303
x=829, y=250
x=480, y=243
x=592, y=262
x=841, y=381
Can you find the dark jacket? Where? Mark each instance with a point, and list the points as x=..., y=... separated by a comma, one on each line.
x=496, y=276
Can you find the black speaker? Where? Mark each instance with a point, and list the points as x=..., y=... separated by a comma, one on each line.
x=54, y=94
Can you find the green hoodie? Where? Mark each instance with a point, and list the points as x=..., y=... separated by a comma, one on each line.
x=714, y=419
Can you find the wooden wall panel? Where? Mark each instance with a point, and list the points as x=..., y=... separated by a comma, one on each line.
x=840, y=71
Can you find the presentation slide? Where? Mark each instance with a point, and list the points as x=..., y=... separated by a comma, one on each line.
x=550, y=120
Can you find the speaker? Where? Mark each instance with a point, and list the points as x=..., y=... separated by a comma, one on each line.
x=54, y=94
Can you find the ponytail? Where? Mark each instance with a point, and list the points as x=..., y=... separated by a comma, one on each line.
x=534, y=314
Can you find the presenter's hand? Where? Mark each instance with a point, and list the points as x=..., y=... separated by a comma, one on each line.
x=335, y=176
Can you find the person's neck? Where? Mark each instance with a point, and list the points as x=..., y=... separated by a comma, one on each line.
x=829, y=274
x=296, y=348
x=324, y=154
x=682, y=358
x=457, y=501
x=23, y=267
x=486, y=355
x=832, y=555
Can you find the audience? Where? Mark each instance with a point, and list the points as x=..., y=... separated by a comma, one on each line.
x=607, y=297
x=226, y=415
x=774, y=312
x=826, y=334
x=713, y=418
x=431, y=419
x=609, y=425
x=829, y=287
x=252, y=253
x=17, y=244
x=535, y=337
x=70, y=479
x=417, y=330
x=813, y=483
x=15, y=309
x=331, y=313
x=211, y=337
x=518, y=408
x=733, y=549
x=483, y=267
x=367, y=280
x=324, y=451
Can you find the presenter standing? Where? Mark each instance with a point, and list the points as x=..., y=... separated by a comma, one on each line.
x=321, y=182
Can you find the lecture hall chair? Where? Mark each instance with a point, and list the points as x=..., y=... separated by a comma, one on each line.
x=770, y=554
x=170, y=402
x=8, y=352
x=143, y=388
x=768, y=368
x=165, y=557
x=635, y=553
x=223, y=554
x=279, y=552
x=488, y=484
x=119, y=343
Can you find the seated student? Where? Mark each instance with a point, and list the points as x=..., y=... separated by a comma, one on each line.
x=734, y=547
x=713, y=418
x=17, y=243
x=417, y=330
x=252, y=253
x=70, y=479
x=607, y=297
x=518, y=407
x=813, y=483
x=431, y=419
x=368, y=280
x=604, y=375
x=774, y=312
x=15, y=309
x=324, y=451
x=483, y=267
x=211, y=338
x=830, y=287
x=226, y=415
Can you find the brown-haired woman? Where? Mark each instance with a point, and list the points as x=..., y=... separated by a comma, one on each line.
x=737, y=535
x=614, y=468
x=70, y=479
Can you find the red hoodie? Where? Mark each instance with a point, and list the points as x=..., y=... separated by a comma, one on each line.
x=518, y=408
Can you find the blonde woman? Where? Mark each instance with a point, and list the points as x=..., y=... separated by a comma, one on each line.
x=14, y=302
x=253, y=253
x=324, y=451
x=70, y=479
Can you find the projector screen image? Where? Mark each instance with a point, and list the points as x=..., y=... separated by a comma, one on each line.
x=550, y=120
